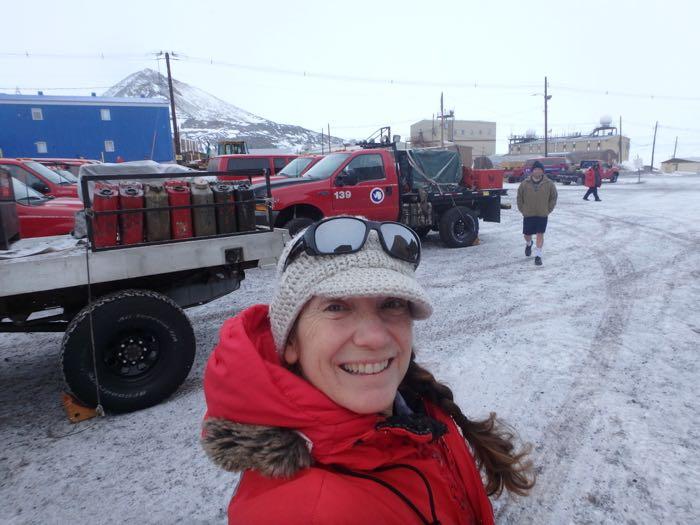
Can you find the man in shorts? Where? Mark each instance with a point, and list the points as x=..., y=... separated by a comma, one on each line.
x=537, y=197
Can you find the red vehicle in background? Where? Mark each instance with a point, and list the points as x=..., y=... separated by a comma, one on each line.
x=39, y=178
x=608, y=172
x=421, y=188
x=553, y=168
x=41, y=216
x=244, y=166
x=70, y=165
x=299, y=166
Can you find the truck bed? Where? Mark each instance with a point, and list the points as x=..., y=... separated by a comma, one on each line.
x=66, y=268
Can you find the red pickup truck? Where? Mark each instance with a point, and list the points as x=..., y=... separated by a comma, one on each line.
x=420, y=188
x=608, y=172
x=40, y=178
x=41, y=216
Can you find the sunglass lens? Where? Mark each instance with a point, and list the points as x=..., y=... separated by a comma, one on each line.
x=340, y=235
x=401, y=242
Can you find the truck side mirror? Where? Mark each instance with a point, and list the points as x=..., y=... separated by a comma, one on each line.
x=347, y=177
x=40, y=187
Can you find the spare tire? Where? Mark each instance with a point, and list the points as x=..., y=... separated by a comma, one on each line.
x=459, y=227
x=144, y=349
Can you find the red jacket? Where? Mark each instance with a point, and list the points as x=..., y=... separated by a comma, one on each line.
x=591, y=180
x=307, y=460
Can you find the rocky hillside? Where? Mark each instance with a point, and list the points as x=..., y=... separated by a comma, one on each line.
x=207, y=118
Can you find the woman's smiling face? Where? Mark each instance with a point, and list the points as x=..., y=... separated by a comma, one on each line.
x=356, y=350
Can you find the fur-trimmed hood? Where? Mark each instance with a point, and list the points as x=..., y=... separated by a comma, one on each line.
x=274, y=452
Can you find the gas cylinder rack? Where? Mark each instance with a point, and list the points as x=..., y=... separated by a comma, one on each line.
x=151, y=209
x=119, y=299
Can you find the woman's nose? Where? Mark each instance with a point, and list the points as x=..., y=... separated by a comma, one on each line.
x=371, y=332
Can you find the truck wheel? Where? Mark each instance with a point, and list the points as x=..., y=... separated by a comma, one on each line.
x=296, y=225
x=144, y=349
x=459, y=227
x=422, y=231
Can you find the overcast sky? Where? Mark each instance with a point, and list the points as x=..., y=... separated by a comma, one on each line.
x=370, y=64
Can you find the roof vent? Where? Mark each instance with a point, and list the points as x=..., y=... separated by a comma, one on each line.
x=40, y=93
x=93, y=94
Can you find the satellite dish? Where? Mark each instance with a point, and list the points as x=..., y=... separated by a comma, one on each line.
x=605, y=121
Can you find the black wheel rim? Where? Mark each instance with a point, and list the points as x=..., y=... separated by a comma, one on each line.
x=132, y=354
x=460, y=230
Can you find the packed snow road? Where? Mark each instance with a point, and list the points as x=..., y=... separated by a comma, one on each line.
x=592, y=358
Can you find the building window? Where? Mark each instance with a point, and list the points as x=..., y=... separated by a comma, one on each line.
x=573, y=147
x=37, y=114
x=105, y=114
x=588, y=146
x=461, y=131
x=598, y=146
x=109, y=146
x=41, y=147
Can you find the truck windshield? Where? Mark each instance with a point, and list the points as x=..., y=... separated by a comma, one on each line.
x=326, y=166
x=45, y=172
x=66, y=175
x=296, y=167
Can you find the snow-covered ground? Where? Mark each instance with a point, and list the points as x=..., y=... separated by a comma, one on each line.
x=593, y=358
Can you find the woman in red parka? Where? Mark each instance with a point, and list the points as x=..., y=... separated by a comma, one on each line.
x=320, y=402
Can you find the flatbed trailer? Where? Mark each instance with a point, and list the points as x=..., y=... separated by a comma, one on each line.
x=127, y=342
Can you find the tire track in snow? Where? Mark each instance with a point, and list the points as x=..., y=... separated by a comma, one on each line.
x=566, y=432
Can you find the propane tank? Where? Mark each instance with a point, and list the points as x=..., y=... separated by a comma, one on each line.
x=204, y=219
x=157, y=222
x=131, y=224
x=180, y=220
x=225, y=215
x=105, y=198
x=245, y=208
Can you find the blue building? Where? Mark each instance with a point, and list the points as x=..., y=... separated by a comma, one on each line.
x=102, y=128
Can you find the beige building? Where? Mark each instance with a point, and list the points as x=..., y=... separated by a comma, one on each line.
x=480, y=135
x=691, y=164
x=602, y=143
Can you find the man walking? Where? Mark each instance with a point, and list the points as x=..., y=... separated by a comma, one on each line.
x=537, y=197
x=592, y=181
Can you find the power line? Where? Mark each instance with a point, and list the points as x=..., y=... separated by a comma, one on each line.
x=472, y=84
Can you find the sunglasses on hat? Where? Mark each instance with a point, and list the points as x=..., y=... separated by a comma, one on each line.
x=344, y=235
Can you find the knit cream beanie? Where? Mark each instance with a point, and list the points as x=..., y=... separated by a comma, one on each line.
x=368, y=273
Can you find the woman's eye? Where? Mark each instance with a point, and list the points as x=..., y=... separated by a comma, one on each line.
x=334, y=307
x=395, y=304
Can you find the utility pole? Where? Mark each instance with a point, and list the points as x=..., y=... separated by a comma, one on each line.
x=675, y=147
x=619, y=141
x=329, y=137
x=653, y=147
x=176, y=132
x=442, y=123
x=546, y=98
x=322, y=143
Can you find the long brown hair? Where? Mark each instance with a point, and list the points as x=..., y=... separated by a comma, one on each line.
x=491, y=440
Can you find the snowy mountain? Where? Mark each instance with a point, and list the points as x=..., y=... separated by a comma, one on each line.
x=201, y=116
